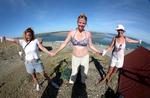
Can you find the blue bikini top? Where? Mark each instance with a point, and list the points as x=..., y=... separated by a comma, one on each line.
x=76, y=42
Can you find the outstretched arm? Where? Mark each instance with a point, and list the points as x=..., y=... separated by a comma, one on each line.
x=129, y=40
x=67, y=40
x=44, y=49
x=109, y=47
x=3, y=38
x=91, y=44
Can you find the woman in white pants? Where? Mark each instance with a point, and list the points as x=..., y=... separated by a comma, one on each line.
x=81, y=40
x=118, y=45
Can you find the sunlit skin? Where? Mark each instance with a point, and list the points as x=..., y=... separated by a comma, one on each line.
x=28, y=36
x=80, y=51
x=81, y=24
x=81, y=34
x=120, y=37
x=120, y=32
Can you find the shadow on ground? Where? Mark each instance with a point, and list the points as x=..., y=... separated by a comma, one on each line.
x=98, y=66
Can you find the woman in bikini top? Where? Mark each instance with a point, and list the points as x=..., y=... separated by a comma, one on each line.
x=81, y=39
x=82, y=42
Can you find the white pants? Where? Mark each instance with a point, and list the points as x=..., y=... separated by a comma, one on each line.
x=76, y=62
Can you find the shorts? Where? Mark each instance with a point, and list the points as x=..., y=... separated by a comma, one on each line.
x=34, y=66
x=116, y=62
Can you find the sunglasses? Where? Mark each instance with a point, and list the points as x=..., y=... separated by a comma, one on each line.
x=120, y=30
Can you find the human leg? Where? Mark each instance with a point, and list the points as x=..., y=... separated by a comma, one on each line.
x=31, y=71
x=116, y=65
x=109, y=73
x=34, y=78
x=35, y=81
x=75, y=65
x=84, y=68
x=45, y=75
x=40, y=69
x=111, y=69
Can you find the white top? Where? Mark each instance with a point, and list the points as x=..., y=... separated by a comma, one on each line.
x=31, y=50
x=118, y=51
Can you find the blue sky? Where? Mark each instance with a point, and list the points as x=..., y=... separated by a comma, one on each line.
x=58, y=15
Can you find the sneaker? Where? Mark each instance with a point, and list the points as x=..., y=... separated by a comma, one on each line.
x=71, y=82
x=37, y=87
x=55, y=84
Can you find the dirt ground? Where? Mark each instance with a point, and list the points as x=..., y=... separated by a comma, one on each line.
x=15, y=82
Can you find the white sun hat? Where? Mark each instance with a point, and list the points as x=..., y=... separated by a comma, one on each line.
x=120, y=27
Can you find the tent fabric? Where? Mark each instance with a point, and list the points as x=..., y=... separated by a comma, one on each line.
x=134, y=78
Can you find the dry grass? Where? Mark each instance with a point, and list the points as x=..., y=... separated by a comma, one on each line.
x=16, y=83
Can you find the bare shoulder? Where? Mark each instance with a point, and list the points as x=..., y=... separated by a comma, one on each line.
x=115, y=37
x=89, y=34
x=70, y=33
x=127, y=38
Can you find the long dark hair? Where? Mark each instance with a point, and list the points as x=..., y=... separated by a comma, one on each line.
x=29, y=30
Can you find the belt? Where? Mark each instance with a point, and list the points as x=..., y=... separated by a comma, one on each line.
x=33, y=60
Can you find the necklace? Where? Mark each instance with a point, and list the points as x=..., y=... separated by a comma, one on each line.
x=80, y=33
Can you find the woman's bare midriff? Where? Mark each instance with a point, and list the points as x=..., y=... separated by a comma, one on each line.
x=80, y=51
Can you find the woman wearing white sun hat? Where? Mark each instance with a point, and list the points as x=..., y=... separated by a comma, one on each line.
x=117, y=46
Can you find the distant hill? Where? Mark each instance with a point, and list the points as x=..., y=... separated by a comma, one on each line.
x=98, y=38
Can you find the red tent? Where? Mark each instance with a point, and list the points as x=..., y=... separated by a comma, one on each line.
x=134, y=78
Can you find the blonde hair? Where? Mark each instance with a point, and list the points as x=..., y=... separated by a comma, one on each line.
x=30, y=31
x=82, y=16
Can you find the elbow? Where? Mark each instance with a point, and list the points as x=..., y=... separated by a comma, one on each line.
x=63, y=45
x=109, y=48
x=91, y=46
x=41, y=48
